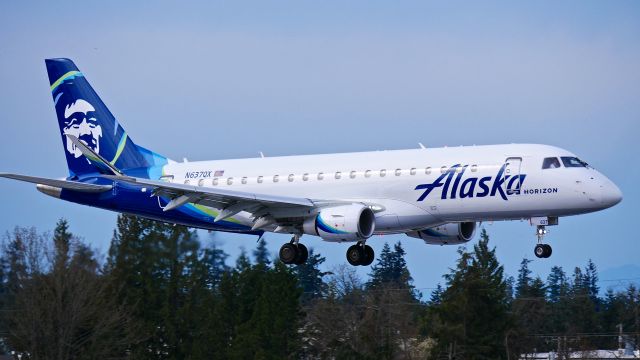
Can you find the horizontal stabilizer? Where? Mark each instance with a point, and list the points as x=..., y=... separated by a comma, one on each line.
x=63, y=184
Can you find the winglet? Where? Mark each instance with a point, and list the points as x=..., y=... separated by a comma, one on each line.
x=94, y=158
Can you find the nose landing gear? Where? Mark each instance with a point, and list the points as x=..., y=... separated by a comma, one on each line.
x=360, y=254
x=542, y=250
x=294, y=252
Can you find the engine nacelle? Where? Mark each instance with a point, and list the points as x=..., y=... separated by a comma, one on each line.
x=342, y=223
x=447, y=234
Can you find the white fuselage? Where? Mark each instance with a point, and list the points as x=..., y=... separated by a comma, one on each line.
x=387, y=181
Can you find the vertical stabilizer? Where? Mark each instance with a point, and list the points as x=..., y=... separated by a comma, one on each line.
x=83, y=115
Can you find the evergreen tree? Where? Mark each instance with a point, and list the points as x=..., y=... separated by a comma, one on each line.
x=62, y=243
x=149, y=264
x=473, y=318
x=557, y=285
x=391, y=268
x=591, y=281
x=271, y=328
x=436, y=295
x=524, y=279
x=261, y=253
x=310, y=277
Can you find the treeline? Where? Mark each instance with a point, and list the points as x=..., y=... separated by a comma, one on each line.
x=161, y=294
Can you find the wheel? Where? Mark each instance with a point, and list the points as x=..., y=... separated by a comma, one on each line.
x=303, y=254
x=288, y=253
x=540, y=250
x=369, y=255
x=355, y=255
x=547, y=250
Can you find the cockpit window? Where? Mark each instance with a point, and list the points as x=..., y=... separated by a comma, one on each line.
x=551, y=163
x=569, y=161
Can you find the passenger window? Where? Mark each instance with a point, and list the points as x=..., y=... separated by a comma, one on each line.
x=230, y=181
x=320, y=176
x=569, y=161
x=367, y=173
x=214, y=182
x=305, y=177
x=259, y=179
x=291, y=177
x=352, y=174
x=474, y=168
x=338, y=174
x=551, y=163
x=412, y=171
x=186, y=182
x=398, y=172
x=427, y=170
x=276, y=178
x=443, y=170
x=244, y=180
x=201, y=182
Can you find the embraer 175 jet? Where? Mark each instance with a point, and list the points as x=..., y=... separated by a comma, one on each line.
x=437, y=195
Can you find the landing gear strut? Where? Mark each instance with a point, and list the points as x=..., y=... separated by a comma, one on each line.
x=542, y=250
x=294, y=252
x=360, y=254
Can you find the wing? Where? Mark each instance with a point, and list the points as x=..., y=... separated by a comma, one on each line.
x=267, y=211
x=64, y=184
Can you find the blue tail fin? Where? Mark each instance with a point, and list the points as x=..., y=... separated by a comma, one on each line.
x=82, y=114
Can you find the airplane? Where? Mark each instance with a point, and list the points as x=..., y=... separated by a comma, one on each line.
x=438, y=195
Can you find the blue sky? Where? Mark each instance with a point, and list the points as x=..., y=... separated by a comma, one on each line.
x=214, y=80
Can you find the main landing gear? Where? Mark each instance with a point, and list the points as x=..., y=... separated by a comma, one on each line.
x=542, y=250
x=360, y=254
x=294, y=252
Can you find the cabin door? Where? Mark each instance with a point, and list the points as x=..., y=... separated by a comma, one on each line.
x=512, y=174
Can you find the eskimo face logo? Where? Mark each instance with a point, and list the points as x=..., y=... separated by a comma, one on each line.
x=81, y=122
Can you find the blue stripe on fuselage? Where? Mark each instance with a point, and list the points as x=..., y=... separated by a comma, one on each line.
x=130, y=199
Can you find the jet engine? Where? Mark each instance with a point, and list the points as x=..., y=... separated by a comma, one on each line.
x=351, y=222
x=447, y=234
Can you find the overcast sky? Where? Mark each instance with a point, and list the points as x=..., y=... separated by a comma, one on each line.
x=215, y=80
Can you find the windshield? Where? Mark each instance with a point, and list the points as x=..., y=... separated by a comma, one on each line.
x=550, y=163
x=569, y=161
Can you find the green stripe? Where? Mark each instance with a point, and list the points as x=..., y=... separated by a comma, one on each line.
x=121, y=145
x=207, y=210
x=63, y=78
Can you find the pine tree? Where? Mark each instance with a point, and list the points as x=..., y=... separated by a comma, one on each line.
x=149, y=265
x=261, y=253
x=591, y=281
x=310, y=277
x=473, y=319
x=557, y=285
x=391, y=268
x=62, y=243
x=436, y=295
x=524, y=279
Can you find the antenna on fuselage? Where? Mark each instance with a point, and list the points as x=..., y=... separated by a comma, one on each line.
x=421, y=146
x=261, y=155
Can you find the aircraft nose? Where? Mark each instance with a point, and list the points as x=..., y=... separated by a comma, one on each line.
x=611, y=194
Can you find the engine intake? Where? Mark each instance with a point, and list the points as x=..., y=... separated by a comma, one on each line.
x=447, y=234
x=342, y=223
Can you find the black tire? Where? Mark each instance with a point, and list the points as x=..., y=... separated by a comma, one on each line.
x=540, y=251
x=303, y=254
x=288, y=253
x=369, y=256
x=548, y=250
x=355, y=255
